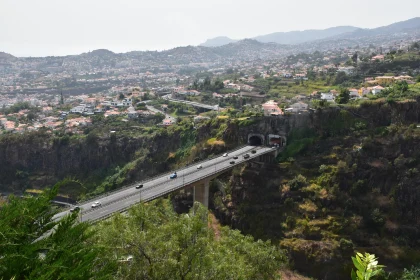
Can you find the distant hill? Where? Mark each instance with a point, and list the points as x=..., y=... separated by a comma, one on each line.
x=297, y=37
x=397, y=27
x=6, y=57
x=339, y=32
x=100, y=53
x=217, y=42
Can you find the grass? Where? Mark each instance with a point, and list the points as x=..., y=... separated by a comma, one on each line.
x=215, y=142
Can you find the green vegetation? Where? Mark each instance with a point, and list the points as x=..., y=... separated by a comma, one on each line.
x=151, y=242
x=165, y=245
x=366, y=267
x=68, y=253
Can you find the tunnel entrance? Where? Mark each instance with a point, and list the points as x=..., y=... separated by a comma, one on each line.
x=255, y=141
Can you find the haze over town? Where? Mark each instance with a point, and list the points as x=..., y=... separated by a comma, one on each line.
x=51, y=28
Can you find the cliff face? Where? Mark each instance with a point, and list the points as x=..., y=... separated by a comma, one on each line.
x=54, y=158
x=353, y=187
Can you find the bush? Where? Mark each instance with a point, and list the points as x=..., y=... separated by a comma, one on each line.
x=346, y=245
x=297, y=183
x=411, y=274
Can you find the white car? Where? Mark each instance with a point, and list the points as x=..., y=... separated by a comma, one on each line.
x=225, y=154
x=96, y=204
x=199, y=166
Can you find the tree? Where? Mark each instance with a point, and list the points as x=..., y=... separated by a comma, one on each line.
x=34, y=246
x=401, y=86
x=366, y=267
x=340, y=78
x=164, y=245
x=354, y=58
x=343, y=97
x=121, y=96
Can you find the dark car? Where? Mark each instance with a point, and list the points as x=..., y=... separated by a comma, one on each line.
x=235, y=157
x=232, y=162
x=139, y=186
x=75, y=208
x=253, y=151
x=246, y=155
x=173, y=176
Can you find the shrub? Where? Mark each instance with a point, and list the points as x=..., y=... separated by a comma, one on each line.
x=297, y=183
x=346, y=245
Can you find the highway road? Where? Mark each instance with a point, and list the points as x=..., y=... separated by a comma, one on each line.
x=195, y=104
x=122, y=199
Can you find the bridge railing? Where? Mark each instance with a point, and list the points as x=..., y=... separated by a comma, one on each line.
x=163, y=193
x=153, y=178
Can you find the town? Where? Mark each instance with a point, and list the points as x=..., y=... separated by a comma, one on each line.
x=62, y=94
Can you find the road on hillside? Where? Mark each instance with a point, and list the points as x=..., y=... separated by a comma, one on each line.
x=162, y=185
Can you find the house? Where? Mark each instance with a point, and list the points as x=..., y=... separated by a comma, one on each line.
x=380, y=57
x=167, y=122
x=377, y=90
x=300, y=77
x=354, y=93
x=131, y=113
x=385, y=80
x=247, y=88
x=298, y=106
x=364, y=91
x=78, y=109
x=271, y=108
x=348, y=70
x=327, y=96
x=126, y=102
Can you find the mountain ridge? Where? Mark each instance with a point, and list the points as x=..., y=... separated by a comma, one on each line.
x=341, y=32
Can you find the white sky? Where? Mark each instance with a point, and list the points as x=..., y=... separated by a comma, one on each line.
x=61, y=27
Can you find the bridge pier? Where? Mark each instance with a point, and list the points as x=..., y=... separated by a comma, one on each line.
x=201, y=192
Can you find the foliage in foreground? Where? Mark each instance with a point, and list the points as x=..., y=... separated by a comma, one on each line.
x=67, y=253
x=153, y=242
x=367, y=267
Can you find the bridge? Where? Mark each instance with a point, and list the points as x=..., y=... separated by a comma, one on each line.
x=194, y=104
x=187, y=177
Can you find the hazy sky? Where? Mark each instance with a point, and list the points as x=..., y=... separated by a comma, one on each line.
x=60, y=27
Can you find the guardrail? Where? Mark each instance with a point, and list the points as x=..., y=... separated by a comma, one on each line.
x=212, y=107
x=154, y=178
x=173, y=189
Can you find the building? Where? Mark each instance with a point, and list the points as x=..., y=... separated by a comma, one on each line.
x=327, y=96
x=297, y=107
x=377, y=90
x=271, y=108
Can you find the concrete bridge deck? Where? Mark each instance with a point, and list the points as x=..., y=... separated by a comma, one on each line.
x=124, y=198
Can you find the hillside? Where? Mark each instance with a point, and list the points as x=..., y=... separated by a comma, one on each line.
x=332, y=33
x=347, y=182
x=217, y=41
x=398, y=27
x=297, y=37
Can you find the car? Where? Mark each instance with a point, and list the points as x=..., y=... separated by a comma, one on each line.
x=246, y=155
x=173, y=176
x=199, y=166
x=235, y=157
x=75, y=208
x=253, y=151
x=232, y=162
x=225, y=154
x=96, y=204
x=139, y=186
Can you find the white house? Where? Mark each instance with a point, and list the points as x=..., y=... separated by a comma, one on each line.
x=298, y=106
x=78, y=109
x=377, y=90
x=348, y=70
x=327, y=96
x=127, y=102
